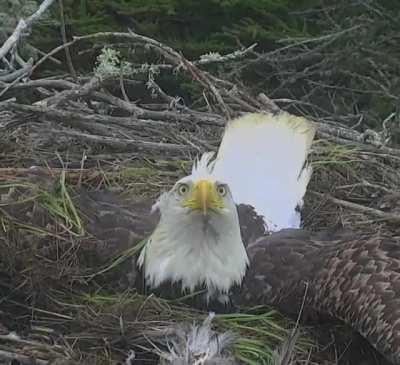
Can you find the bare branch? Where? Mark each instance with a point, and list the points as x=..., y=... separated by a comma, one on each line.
x=392, y=217
x=22, y=26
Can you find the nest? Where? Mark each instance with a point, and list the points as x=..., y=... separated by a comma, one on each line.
x=65, y=296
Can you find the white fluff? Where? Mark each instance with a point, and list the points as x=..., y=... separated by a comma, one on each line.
x=198, y=344
x=262, y=158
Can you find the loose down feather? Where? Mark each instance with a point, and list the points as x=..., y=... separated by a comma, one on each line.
x=263, y=159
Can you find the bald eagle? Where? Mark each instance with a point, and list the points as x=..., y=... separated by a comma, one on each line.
x=232, y=227
x=197, y=241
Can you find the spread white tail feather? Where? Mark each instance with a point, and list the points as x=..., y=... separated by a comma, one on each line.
x=262, y=158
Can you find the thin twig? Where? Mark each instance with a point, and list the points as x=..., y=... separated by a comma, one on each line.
x=64, y=38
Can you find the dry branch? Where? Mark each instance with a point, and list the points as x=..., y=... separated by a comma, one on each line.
x=126, y=144
x=381, y=215
x=22, y=26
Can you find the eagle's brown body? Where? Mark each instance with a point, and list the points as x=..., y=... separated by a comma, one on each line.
x=352, y=278
x=356, y=280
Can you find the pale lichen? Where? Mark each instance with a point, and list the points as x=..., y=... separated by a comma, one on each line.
x=210, y=57
x=109, y=64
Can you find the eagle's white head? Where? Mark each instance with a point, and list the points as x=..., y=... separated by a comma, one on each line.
x=197, y=241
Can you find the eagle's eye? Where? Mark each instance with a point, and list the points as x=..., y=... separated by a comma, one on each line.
x=221, y=190
x=183, y=189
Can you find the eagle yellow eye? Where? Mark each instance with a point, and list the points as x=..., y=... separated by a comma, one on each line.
x=183, y=189
x=221, y=190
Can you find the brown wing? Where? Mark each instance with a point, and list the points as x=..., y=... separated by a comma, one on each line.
x=118, y=222
x=354, y=279
x=118, y=225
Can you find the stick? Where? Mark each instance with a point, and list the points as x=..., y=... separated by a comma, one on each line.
x=361, y=208
x=64, y=38
x=127, y=144
x=21, y=359
x=22, y=26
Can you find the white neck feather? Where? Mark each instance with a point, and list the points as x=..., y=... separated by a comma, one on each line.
x=193, y=251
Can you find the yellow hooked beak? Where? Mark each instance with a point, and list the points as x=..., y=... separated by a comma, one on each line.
x=204, y=197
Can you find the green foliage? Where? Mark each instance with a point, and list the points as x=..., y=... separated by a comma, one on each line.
x=194, y=27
